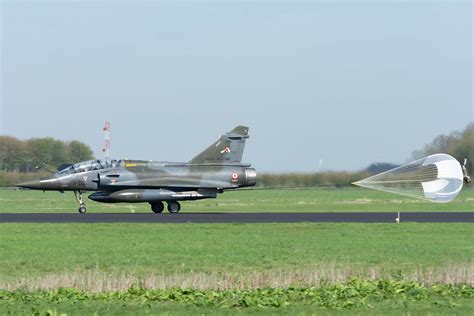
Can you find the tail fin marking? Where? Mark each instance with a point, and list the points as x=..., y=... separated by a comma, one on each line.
x=229, y=148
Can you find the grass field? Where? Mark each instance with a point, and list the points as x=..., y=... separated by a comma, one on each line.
x=112, y=258
x=357, y=296
x=278, y=200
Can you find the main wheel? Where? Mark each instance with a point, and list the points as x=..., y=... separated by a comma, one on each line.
x=157, y=207
x=82, y=209
x=174, y=207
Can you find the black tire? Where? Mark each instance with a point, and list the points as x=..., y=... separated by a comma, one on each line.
x=174, y=207
x=82, y=209
x=157, y=207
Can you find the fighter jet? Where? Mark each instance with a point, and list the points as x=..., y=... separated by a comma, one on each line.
x=216, y=169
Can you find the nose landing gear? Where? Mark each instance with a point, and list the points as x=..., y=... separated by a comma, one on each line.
x=82, y=206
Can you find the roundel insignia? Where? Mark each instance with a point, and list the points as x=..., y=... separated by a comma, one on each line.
x=235, y=177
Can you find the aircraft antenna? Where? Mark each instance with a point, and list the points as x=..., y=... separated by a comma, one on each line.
x=106, y=148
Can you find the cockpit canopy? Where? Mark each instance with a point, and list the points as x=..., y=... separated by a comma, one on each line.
x=90, y=166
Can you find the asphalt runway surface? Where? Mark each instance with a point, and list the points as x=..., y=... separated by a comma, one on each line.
x=352, y=217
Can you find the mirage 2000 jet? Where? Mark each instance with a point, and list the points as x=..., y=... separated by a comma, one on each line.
x=216, y=169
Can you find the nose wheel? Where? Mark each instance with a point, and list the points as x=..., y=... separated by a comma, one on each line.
x=82, y=206
x=82, y=209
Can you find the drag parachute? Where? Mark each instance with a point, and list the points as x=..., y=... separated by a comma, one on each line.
x=437, y=178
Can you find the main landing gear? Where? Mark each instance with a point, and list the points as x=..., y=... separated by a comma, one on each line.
x=157, y=207
x=82, y=206
x=173, y=207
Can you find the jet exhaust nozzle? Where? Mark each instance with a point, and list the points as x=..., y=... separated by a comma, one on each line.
x=250, y=177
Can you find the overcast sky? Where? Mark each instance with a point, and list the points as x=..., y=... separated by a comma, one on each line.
x=348, y=83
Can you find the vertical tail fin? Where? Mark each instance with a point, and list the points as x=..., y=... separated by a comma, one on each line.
x=229, y=148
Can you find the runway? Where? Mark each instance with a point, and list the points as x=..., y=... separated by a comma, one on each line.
x=352, y=217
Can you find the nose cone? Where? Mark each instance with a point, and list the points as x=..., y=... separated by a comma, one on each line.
x=42, y=184
x=35, y=185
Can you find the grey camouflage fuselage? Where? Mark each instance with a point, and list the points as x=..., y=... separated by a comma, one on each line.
x=214, y=170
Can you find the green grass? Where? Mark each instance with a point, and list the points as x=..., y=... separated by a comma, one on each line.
x=356, y=294
x=388, y=307
x=107, y=258
x=206, y=254
x=278, y=200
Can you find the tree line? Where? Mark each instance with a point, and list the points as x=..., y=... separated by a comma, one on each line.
x=295, y=180
x=459, y=144
x=22, y=156
x=18, y=159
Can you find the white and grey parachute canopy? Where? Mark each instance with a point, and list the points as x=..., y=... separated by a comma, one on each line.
x=437, y=178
